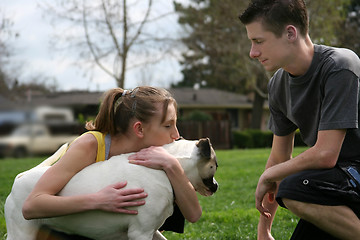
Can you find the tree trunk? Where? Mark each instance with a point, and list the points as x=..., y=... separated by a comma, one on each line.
x=257, y=111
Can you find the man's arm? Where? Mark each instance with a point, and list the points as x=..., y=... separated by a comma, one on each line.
x=323, y=154
x=281, y=151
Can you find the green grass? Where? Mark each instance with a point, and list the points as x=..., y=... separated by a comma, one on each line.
x=9, y=168
x=228, y=214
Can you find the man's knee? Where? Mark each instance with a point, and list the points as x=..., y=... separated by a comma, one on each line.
x=304, y=210
x=296, y=207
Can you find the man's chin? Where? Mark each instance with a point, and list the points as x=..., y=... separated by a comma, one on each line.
x=271, y=68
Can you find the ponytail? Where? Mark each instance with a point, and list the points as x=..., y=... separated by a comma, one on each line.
x=120, y=106
x=104, y=121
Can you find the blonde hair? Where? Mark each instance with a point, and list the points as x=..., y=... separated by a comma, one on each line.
x=119, y=106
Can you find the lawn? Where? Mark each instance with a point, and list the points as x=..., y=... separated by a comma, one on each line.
x=228, y=214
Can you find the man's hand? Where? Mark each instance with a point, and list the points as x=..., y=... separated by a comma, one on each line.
x=262, y=189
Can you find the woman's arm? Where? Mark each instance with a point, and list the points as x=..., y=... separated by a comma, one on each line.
x=185, y=195
x=43, y=202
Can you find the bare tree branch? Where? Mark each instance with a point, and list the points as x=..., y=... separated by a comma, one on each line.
x=90, y=45
x=113, y=33
x=141, y=24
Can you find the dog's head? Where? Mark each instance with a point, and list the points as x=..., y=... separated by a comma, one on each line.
x=207, y=166
x=198, y=159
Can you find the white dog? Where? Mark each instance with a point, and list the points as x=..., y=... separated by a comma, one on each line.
x=196, y=157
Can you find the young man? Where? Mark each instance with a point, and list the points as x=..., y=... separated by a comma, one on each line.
x=316, y=90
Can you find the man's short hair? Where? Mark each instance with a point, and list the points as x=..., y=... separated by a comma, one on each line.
x=275, y=15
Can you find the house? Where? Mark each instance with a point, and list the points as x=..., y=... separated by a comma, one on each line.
x=221, y=105
x=229, y=111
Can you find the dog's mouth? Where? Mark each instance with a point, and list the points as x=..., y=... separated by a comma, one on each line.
x=211, y=185
x=208, y=192
x=205, y=192
x=208, y=189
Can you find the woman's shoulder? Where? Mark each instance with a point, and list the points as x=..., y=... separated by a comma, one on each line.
x=86, y=142
x=95, y=135
x=81, y=153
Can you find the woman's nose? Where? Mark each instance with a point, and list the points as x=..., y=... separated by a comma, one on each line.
x=175, y=134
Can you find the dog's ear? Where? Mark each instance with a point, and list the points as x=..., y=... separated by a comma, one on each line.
x=204, y=146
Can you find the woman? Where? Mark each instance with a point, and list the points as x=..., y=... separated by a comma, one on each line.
x=128, y=121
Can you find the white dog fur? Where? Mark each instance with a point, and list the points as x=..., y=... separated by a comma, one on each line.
x=196, y=157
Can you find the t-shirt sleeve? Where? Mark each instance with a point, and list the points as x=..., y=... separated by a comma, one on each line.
x=339, y=109
x=279, y=124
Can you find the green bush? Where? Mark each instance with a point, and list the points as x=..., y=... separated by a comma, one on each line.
x=242, y=139
x=197, y=116
x=254, y=138
x=260, y=138
x=298, y=140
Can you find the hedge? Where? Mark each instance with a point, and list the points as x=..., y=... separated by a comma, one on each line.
x=253, y=138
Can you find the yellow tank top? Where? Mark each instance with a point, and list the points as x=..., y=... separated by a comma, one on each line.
x=101, y=149
x=100, y=137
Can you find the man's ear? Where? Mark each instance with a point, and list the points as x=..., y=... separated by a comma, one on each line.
x=291, y=32
x=138, y=129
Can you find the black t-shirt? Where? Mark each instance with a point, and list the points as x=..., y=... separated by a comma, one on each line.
x=326, y=97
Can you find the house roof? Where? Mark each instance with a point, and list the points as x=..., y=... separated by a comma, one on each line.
x=209, y=98
x=185, y=97
x=67, y=98
x=7, y=104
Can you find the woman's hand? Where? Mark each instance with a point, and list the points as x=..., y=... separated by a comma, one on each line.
x=185, y=195
x=114, y=198
x=154, y=157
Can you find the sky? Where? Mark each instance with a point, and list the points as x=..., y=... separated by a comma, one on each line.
x=34, y=53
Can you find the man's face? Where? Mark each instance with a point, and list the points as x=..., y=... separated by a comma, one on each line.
x=270, y=50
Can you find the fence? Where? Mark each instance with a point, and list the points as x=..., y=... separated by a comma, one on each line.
x=219, y=132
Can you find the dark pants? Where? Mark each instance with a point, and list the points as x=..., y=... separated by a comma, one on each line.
x=306, y=231
x=328, y=187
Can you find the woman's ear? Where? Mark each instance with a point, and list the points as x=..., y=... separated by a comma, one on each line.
x=138, y=129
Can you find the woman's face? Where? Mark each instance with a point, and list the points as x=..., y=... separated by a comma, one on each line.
x=157, y=133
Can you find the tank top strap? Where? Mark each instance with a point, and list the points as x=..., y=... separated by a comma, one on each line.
x=100, y=137
x=107, y=145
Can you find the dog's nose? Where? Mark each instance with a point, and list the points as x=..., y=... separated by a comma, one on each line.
x=211, y=183
x=214, y=187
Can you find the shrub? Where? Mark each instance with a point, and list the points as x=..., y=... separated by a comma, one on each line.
x=260, y=138
x=242, y=139
x=298, y=142
x=197, y=116
x=254, y=138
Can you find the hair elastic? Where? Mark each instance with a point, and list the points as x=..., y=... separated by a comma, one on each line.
x=119, y=100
